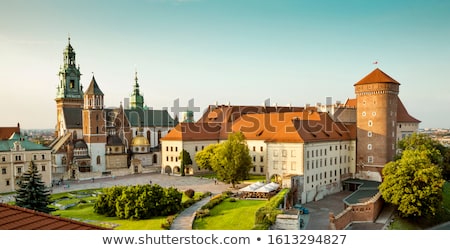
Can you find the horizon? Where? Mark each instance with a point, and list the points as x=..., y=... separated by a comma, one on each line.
x=238, y=52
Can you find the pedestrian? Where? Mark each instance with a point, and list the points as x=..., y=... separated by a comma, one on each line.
x=150, y=182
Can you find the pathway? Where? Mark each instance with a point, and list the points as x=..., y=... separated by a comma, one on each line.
x=185, y=219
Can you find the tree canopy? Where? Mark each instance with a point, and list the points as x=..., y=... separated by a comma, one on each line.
x=414, y=181
x=425, y=142
x=185, y=159
x=32, y=192
x=230, y=160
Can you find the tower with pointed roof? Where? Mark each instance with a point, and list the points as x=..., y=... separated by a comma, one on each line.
x=69, y=92
x=376, y=119
x=94, y=125
x=136, y=99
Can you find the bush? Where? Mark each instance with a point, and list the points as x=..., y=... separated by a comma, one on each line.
x=202, y=213
x=189, y=202
x=232, y=200
x=266, y=216
x=215, y=200
x=189, y=193
x=168, y=223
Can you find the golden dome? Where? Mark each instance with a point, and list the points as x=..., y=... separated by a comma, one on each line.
x=139, y=141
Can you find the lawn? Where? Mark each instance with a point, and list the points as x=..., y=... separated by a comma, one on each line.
x=238, y=215
x=84, y=211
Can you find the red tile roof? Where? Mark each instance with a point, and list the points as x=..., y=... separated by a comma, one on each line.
x=377, y=76
x=6, y=132
x=350, y=103
x=19, y=218
x=403, y=115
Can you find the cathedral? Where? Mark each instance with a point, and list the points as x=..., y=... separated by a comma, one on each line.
x=94, y=141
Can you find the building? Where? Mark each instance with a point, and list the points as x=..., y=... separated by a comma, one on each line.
x=16, y=154
x=310, y=149
x=92, y=140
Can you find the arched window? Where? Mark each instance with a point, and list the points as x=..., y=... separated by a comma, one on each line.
x=149, y=137
x=159, y=136
x=99, y=161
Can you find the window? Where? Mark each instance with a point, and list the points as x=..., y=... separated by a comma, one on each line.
x=171, y=158
x=176, y=149
x=99, y=159
x=284, y=165
x=307, y=165
x=254, y=169
x=254, y=158
x=34, y=157
x=18, y=157
x=196, y=148
x=363, y=114
x=307, y=179
x=284, y=152
x=261, y=159
x=370, y=159
x=374, y=113
x=275, y=153
x=261, y=169
x=370, y=123
x=19, y=170
x=293, y=167
x=3, y=158
x=369, y=134
x=275, y=164
x=262, y=149
x=3, y=170
x=254, y=148
x=167, y=148
x=293, y=153
x=369, y=146
x=43, y=168
x=7, y=182
x=307, y=154
x=171, y=149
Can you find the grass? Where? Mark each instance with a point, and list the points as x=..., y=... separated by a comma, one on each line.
x=238, y=215
x=85, y=212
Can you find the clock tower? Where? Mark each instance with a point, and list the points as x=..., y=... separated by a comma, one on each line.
x=69, y=92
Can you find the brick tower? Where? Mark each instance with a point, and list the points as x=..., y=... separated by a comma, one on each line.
x=94, y=126
x=376, y=119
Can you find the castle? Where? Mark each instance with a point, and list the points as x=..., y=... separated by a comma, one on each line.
x=310, y=149
x=92, y=140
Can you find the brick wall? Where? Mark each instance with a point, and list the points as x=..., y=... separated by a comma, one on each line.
x=367, y=211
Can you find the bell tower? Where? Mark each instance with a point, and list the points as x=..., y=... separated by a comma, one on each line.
x=136, y=100
x=94, y=125
x=69, y=92
x=376, y=119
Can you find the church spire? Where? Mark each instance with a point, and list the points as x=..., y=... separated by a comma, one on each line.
x=136, y=100
x=69, y=75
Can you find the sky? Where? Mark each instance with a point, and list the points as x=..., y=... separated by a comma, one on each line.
x=242, y=52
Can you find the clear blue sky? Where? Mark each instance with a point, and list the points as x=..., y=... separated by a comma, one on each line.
x=238, y=51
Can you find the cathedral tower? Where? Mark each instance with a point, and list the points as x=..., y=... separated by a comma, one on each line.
x=136, y=100
x=94, y=125
x=376, y=97
x=69, y=92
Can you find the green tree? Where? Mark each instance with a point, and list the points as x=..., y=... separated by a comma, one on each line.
x=206, y=157
x=413, y=183
x=232, y=160
x=32, y=192
x=424, y=142
x=186, y=160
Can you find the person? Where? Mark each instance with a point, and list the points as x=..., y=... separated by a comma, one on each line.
x=150, y=182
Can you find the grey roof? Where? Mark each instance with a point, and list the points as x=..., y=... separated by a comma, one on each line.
x=114, y=140
x=73, y=117
x=93, y=88
x=149, y=118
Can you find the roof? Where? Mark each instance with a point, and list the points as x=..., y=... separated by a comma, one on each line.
x=403, y=115
x=7, y=145
x=376, y=76
x=19, y=218
x=6, y=132
x=350, y=103
x=305, y=126
x=93, y=88
x=149, y=118
x=73, y=118
x=366, y=190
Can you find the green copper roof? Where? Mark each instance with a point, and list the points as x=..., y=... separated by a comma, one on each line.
x=7, y=145
x=149, y=118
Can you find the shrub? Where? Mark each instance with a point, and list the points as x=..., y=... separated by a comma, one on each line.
x=266, y=216
x=189, y=193
x=202, y=213
x=189, y=202
x=232, y=200
x=169, y=220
